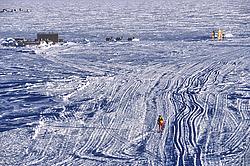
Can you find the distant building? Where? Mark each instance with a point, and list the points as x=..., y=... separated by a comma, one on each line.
x=48, y=37
x=41, y=37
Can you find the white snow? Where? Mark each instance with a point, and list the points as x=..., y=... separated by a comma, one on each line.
x=91, y=102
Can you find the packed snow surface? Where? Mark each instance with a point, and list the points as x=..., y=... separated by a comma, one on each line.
x=91, y=102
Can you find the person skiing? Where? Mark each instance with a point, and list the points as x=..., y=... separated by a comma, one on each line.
x=213, y=35
x=220, y=32
x=160, y=123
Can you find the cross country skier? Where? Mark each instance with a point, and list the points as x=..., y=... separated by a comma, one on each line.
x=160, y=123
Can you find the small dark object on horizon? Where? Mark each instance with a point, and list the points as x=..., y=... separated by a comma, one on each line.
x=109, y=39
x=130, y=38
x=118, y=38
x=14, y=10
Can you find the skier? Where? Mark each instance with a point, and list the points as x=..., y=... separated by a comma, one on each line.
x=213, y=35
x=160, y=123
x=220, y=34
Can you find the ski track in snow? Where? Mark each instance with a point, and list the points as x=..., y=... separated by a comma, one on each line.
x=97, y=103
x=207, y=117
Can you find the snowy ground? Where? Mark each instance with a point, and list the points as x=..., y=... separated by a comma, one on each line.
x=97, y=103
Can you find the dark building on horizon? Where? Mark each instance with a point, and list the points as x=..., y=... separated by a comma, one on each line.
x=41, y=37
x=48, y=37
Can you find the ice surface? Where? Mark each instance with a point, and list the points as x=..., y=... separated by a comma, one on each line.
x=92, y=102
